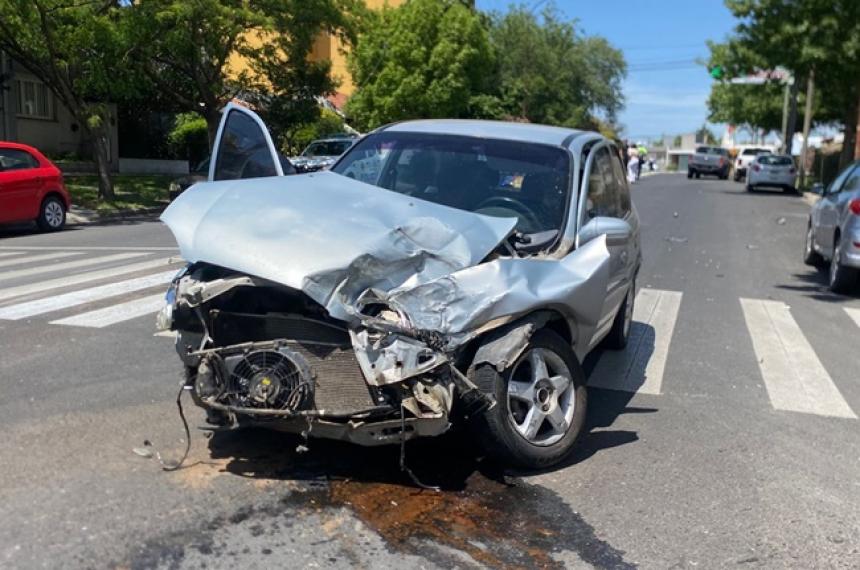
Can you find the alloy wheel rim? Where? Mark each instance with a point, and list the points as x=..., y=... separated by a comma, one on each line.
x=809, y=240
x=53, y=214
x=628, y=309
x=834, y=263
x=541, y=397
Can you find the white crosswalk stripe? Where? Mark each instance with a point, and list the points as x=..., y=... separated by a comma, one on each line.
x=11, y=253
x=65, y=266
x=36, y=258
x=795, y=378
x=854, y=314
x=68, y=300
x=81, y=278
x=640, y=367
x=115, y=313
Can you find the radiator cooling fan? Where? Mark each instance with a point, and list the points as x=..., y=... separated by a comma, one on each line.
x=270, y=379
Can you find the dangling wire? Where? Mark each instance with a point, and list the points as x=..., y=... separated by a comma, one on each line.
x=173, y=467
x=403, y=467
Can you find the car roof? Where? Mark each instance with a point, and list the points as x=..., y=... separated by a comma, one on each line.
x=17, y=146
x=524, y=132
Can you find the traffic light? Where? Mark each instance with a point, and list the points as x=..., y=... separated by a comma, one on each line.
x=716, y=71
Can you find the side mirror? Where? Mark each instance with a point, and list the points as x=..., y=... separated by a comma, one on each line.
x=615, y=229
x=817, y=188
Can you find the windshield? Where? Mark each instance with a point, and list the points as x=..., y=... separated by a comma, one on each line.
x=327, y=148
x=775, y=160
x=499, y=178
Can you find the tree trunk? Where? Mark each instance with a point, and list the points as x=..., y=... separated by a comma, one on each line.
x=99, y=139
x=849, y=132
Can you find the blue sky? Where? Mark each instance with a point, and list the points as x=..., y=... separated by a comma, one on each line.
x=665, y=92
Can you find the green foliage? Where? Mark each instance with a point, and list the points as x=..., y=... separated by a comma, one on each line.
x=294, y=140
x=677, y=141
x=801, y=36
x=548, y=73
x=437, y=58
x=185, y=49
x=427, y=58
x=188, y=140
x=76, y=50
x=758, y=107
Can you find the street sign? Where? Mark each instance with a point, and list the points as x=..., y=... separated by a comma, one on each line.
x=758, y=77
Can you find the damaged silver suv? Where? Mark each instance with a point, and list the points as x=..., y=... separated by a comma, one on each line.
x=442, y=273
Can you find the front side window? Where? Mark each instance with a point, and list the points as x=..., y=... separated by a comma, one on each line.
x=243, y=151
x=14, y=159
x=603, y=194
x=511, y=179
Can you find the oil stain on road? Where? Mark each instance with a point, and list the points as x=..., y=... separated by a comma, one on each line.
x=493, y=519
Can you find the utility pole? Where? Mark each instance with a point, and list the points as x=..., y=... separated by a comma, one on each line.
x=785, y=100
x=807, y=122
x=791, y=123
x=857, y=136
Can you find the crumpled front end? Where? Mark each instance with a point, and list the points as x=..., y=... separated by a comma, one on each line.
x=341, y=310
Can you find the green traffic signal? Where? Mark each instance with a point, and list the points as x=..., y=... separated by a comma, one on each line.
x=716, y=71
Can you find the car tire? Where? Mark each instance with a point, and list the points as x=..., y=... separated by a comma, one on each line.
x=698, y=175
x=842, y=279
x=619, y=334
x=810, y=256
x=736, y=177
x=689, y=174
x=750, y=188
x=52, y=214
x=505, y=430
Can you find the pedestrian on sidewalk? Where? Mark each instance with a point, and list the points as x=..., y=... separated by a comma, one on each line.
x=632, y=165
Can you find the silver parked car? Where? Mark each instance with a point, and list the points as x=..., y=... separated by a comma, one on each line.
x=442, y=272
x=772, y=171
x=833, y=232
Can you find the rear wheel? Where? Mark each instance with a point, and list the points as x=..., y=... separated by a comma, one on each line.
x=689, y=174
x=810, y=256
x=52, y=215
x=750, y=188
x=698, y=175
x=842, y=279
x=540, y=404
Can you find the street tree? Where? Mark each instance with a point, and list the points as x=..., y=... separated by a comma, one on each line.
x=203, y=54
x=75, y=49
x=804, y=36
x=426, y=58
x=549, y=73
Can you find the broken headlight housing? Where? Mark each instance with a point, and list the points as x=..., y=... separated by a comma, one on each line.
x=164, y=318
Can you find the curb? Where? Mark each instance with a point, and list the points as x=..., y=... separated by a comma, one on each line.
x=811, y=198
x=83, y=216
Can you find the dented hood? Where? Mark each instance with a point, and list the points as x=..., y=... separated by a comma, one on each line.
x=328, y=235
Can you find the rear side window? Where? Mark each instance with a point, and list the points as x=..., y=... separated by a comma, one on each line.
x=243, y=151
x=853, y=182
x=775, y=160
x=15, y=159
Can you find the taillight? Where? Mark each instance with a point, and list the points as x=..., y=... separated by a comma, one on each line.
x=854, y=206
x=740, y=163
x=756, y=167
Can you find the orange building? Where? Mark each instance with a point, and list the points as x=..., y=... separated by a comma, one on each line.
x=326, y=46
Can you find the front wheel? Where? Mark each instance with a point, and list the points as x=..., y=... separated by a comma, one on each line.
x=689, y=174
x=540, y=404
x=52, y=215
x=619, y=334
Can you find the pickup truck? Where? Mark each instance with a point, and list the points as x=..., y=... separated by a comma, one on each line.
x=745, y=157
x=709, y=160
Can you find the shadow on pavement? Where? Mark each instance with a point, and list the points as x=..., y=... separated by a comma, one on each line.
x=814, y=284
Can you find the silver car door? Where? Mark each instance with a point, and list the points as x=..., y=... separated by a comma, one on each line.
x=601, y=205
x=243, y=147
x=828, y=211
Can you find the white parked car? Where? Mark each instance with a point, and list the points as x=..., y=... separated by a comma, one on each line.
x=772, y=170
x=745, y=157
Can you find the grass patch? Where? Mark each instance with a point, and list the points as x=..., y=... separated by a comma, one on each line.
x=133, y=192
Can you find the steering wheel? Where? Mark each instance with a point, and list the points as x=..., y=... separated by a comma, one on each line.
x=527, y=213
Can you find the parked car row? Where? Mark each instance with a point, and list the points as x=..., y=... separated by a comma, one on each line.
x=756, y=167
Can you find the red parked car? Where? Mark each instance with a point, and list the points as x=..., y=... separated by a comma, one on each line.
x=31, y=188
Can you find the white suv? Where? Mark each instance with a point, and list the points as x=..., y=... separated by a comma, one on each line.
x=745, y=157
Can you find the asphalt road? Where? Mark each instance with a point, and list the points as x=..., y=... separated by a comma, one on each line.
x=708, y=457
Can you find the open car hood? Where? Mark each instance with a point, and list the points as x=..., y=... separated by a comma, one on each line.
x=331, y=236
